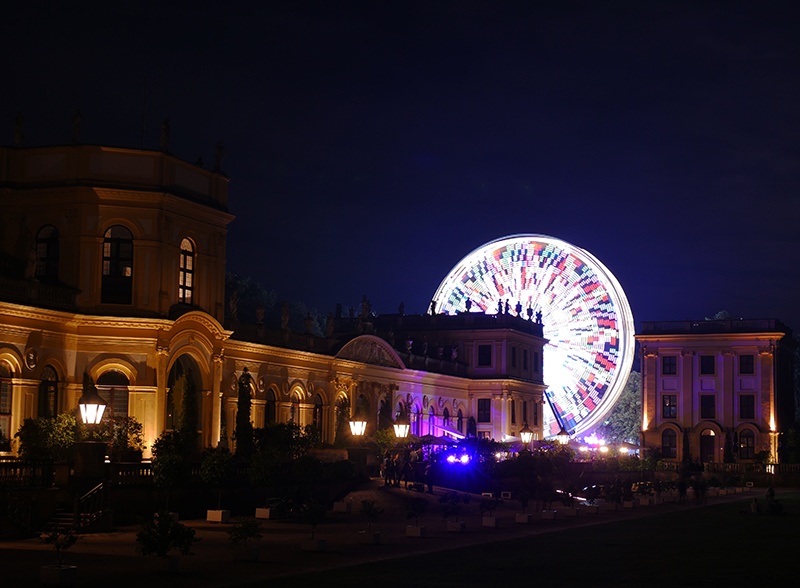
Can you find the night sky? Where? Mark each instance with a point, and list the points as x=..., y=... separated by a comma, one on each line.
x=372, y=145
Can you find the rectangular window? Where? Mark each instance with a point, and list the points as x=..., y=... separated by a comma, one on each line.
x=525, y=359
x=708, y=406
x=513, y=357
x=484, y=355
x=747, y=364
x=484, y=410
x=536, y=362
x=747, y=407
x=535, y=414
x=5, y=397
x=669, y=365
x=483, y=434
x=513, y=412
x=707, y=365
x=669, y=406
x=524, y=411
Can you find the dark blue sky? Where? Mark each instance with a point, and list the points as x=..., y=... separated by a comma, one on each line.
x=372, y=145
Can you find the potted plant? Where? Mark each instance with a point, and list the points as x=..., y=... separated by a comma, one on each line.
x=524, y=518
x=161, y=535
x=215, y=469
x=170, y=463
x=311, y=512
x=488, y=505
x=126, y=439
x=242, y=531
x=59, y=575
x=415, y=508
x=451, y=507
x=371, y=512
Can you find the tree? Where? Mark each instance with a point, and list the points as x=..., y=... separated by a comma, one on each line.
x=189, y=418
x=48, y=437
x=624, y=421
x=342, y=428
x=244, y=428
x=385, y=420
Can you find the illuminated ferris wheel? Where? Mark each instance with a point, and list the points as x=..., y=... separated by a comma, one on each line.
x=586, y=318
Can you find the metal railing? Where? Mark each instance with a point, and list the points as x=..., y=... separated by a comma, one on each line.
x=90, y=507
x=18, y=472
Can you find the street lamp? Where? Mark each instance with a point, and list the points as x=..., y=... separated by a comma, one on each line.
x=91, y=405
x=357, y=425
x=526, y=434
x=401, y=427
x=563, y=436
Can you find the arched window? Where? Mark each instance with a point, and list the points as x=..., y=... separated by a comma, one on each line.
x=669, y=444
x=317, y=420
x=48, y=393
x=269, y=414
x=117, y=286
x=113, y=388
x=460, y=421
x=446, y=417
x=416, y=421
x=186, y=280
x=747, y=444
x=431, y=421
x=6, y=388
x=47, y=254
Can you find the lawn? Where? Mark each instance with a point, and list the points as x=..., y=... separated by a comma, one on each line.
x=710, y=546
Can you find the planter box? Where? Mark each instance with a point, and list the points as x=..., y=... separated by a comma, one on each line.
x=549, y=515
x=413, y=531
x=218, y=516
x=747, y=489
x=658, y=500
x=265, y=513
x=590, y=509
x=642, y=502
x=58, y=576
x=523, y=519
x=246, y=553
x=342, y=507
x=456, y=526
x=490, y=522
x=610, y=506
x=367, y=538
x=312, y=545
x=739, y=489
x=713, y=492
x=627, y=504
x=671, y=498
x=569, y=512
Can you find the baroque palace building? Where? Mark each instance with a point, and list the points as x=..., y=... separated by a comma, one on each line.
x=711, y=383
x=112, y=262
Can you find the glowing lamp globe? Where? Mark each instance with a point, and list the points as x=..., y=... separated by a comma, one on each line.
x=401, y=428
x=92, y=407
x=526, y=434
x=563, y=436
x=357, y=426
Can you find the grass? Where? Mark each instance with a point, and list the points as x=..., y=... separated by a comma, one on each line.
x=711, y=546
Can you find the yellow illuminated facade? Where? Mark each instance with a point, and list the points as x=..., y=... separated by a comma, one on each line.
x=706, y=384
x=112, y=262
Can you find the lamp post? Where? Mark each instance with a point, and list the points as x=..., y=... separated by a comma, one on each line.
x=89, y=456
x=357, y=425
x=526, y=434
x=563, y=436
x=401, y=427
x=92, y=406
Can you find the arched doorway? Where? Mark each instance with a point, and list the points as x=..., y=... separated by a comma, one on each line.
x=270, y=408
x=184, y=395
x=113, y=388
x=708, y=446
x=316, y=417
